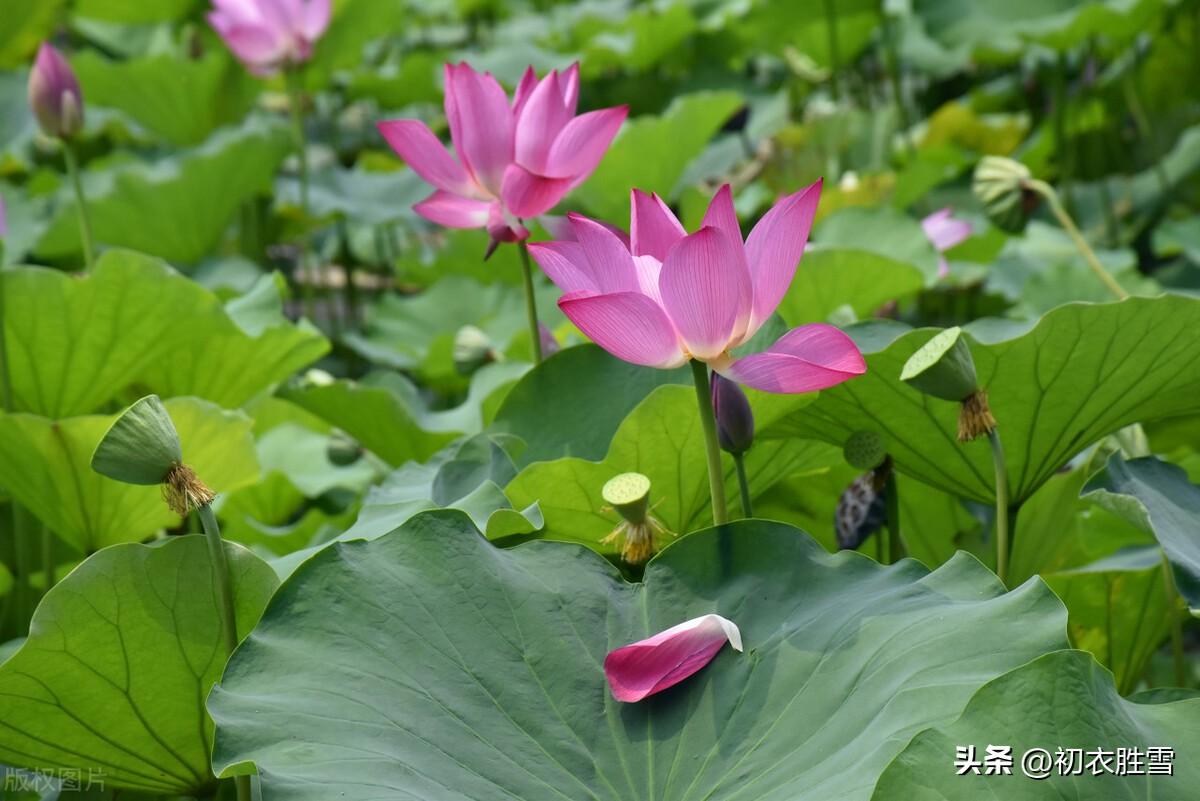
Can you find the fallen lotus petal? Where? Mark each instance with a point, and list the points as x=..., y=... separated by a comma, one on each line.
x=515, y=160
x=665, y=296
x=266, y=35
x=654, y=664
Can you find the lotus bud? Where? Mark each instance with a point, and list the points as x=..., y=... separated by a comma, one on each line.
x=735, y=420
x=629, y=495
x=943, y=367
x=142, y=447
x=1001, y=185
x=865, y=450
x=54, y=94
x=472, y=349
x=342, y=449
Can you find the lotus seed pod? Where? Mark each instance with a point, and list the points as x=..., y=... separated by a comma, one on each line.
x=141, y=446
x=472, y=349
x=342, y=449
x=54, y=94
x=865, y=450
x=943, y=367
x=1000, y=185
x=629, y=494
x=735, y=420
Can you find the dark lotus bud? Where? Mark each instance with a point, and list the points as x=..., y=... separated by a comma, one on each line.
x=735, y=421
x=861, y=511
x=54, y=94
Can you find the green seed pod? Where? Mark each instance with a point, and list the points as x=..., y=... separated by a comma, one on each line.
x=1000, y=185
x=629, y=494
x=865, y=450
x=943, y=367
x=141, y=446
x=472, y=349
x=342, y=449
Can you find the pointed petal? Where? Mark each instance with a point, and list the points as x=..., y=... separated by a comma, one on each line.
x=774, y=247
x=653, y=226
x=628, y=325
x=453, y=211
x=256, y=46
x=652, y=665
x=528, y=195
x=314, y=19
x=416, y=144
x=570, y=87
x=610, y=262
x=484, y=136
x=539, y=125
x=524, y=89
x=582, y=143
x=705, y=287
x=721, y=214
x=565, y=264
x=804, y=359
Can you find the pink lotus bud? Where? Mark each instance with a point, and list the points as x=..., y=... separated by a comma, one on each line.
x=652, y=665
x=735, y=420
x=54, y=94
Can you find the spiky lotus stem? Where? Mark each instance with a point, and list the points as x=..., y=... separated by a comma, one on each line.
x=975, y=417
x=183, y=490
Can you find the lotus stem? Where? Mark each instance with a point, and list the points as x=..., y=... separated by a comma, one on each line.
x=708, y=423
x=295, y=84
x=831, y=30
x=896, y=549
x=1181, y=677
x=81, y=211
x=48, y=558
x=535, y=333
x=1051, y=197
x=216, y=552
x=739, y=461
x=1002, y=540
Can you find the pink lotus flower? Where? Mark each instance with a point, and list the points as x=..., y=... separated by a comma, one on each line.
x=268, y=34
x=54, y=94
x=668, y=296
x=515, y=161
x=652, y=665
x=944, y=232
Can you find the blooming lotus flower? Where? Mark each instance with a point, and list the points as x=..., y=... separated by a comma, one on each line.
x=652, y=665
x=268, y=34
x=515, y=160
x=668, y=296
x=944, y=232
x=54, y=94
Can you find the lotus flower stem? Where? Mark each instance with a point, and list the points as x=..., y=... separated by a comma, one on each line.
x=85, y=225
x=48, y=557
x=216, y=552
x=716, y=474
x=896, y=550
x=1181, y=676
x=295, y=83
x=831, y=30
x=1051, y=197
x=1002, y=540
x=535, y=334
x=739, y=461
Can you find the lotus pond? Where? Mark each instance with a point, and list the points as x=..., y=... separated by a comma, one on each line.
x=676, y=400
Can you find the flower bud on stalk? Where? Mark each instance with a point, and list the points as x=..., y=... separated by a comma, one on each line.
x=735, y=420
x=629, y=495
x=54, y=94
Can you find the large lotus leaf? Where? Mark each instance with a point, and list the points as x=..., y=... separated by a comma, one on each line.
x=178, y=207
x=134, y=10
x=180, y=99
x=651, y=153
x=120, y=656
x=427, y=663
x=1118, y=610
x=46, y=466
x=661, y=439
x=27, y=23
x=1158, y=498
x=774, y=25
x=386, y=414
x=572, y=403
x=881, y=230
x=1082, y=371
x=1061, y=700
x=829, y=278
x=74, y=344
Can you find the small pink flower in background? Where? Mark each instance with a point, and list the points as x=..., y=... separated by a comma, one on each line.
x=944, y=232
x=515, y=160
x=652, y=665
x=266, y=35
x=667, y=296
x=54, y=94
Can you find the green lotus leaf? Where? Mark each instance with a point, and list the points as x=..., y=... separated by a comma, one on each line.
x=1061, y=700
x=27, y=23
x=382, y=642
x=46, y=466
x=1080, y=372
x=74, y=344
x=893, y=235
x=829, y=278
x=120, y=656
